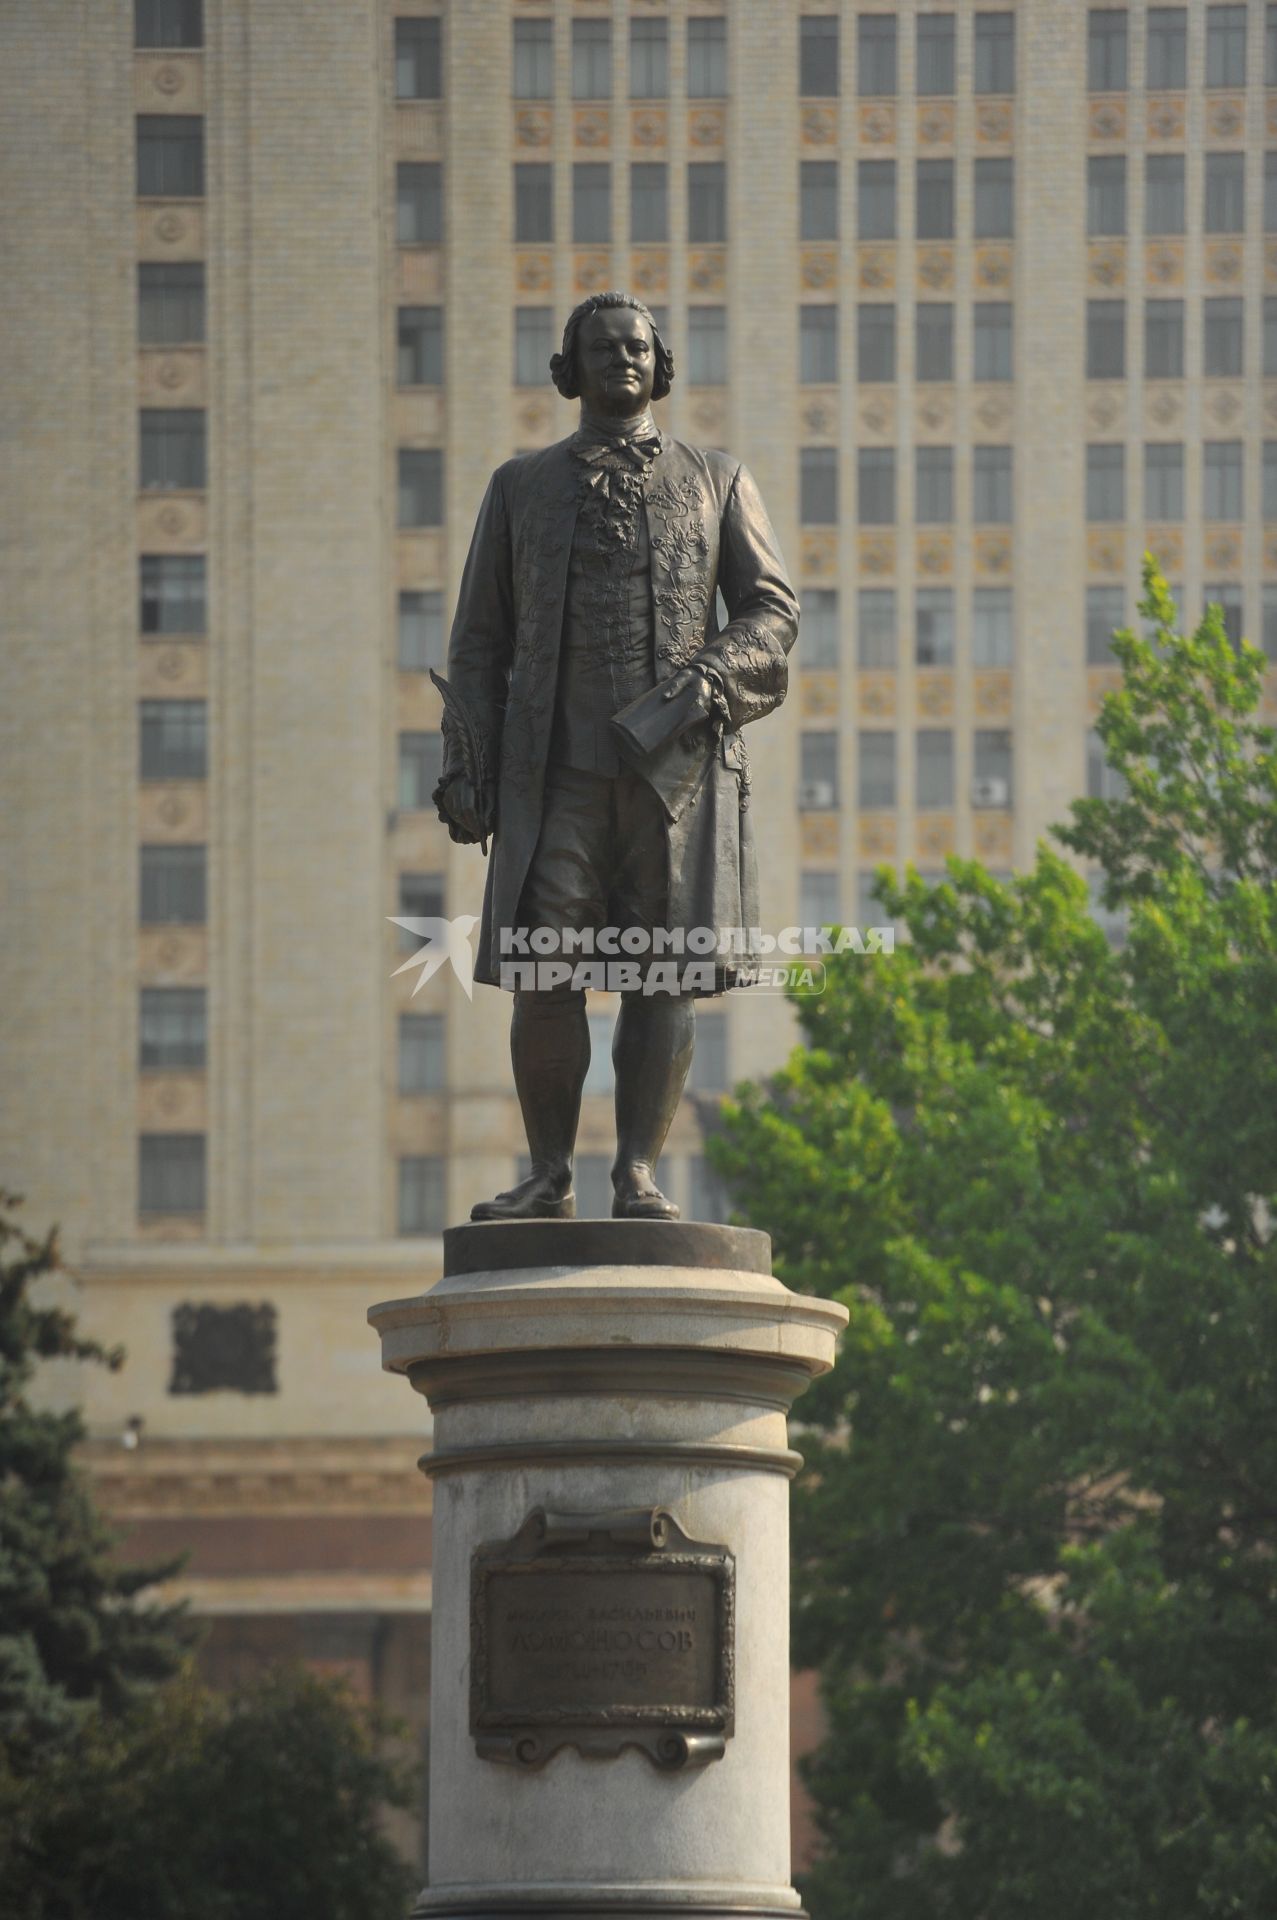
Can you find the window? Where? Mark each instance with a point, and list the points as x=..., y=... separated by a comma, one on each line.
x=170, y=156
x=1222, y=339
x=418, y=58
x=933, y=627
x=1163, y=480
x=1225, y=192
x=709, y=1062
x=172, y=449
x=706, y=203
x=876, y=629
x=933, y=491
x=935, y=53
x=877, y=760
x=818, y=346
x=1227, y=596
x=168, y=23
x=1164, y=339
x=818, y=753
x=818, y=199
x=991, y=486
x=1167, y=70
x=1226, y=46
x=935, y=200
x=172, y=886
x=1105, y=339
x=173, y=740
x=876, y=200
x=992, y=786
x=649, y=203
x=170, y=1173
x=1105, y=482
x=172, y=1029
x=420, y=487
x=591, y=59
x=1270, y=621
x=591, y=200
x=991, y=340
x=170, y=304
x=533, y=345
x=818, y=486
x=1270, y=336
x=1270, y=192
x=421, y=1065
x=420, y=630
x=1164, y=200
x=533, y=204
x=707, y=346
x=994, y=199
x=817, y=898
x=875, y=342
x=876, y=53
x=1103, y=618
x=933, y=340
x=1270, y=46
x=707, y=57
x=1102, y=781
x=707, y=1196
x=421, y=1193
x=649, y=59
x=171, y=593
x=933, y=767
x=1270, y=480
x=420, y=765
x=1106, y=193
x=818, y=55
x=420, y=351
x=992, y=643
x=1222, y=480
x=876, y=486
x=995, y=53
x=533, y=59
x=821, y=639
x=421, y=897
x=600, y=1074
x=1106, y=50
x=419, y=203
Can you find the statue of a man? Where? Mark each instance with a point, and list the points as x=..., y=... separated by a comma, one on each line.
x=592, y=729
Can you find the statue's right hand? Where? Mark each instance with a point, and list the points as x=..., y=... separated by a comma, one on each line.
x=470, y=812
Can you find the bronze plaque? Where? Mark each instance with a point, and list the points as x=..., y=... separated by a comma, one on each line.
x=602, y=1631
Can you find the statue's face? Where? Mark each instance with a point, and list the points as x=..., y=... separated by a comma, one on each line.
x=616, y=361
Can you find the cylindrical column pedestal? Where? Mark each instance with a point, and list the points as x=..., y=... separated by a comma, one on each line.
x=610, y=1675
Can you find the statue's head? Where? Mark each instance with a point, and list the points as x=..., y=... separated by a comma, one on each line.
x=596, y=335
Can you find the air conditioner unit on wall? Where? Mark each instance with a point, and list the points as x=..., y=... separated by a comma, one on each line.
x=815, y=795
x=990, y=792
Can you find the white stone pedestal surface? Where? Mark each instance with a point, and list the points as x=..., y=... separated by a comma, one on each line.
x=610, y=1368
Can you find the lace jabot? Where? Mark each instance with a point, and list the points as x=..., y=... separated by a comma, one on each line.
x=614, y=467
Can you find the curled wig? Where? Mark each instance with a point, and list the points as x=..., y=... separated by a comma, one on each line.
x=563, y=370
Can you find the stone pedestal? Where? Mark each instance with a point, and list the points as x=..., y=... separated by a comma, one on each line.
x=610, y=1676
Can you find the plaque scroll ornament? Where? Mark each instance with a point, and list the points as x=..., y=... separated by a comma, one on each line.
x=602, y=1631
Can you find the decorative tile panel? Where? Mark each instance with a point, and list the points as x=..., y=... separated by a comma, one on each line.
x=991, y=689
x=170, y=230
x=817, y=690
x=877, y=555
x=592, y=129
x=876, y=695
x=1167, y=118
x=876, y=123
x=171, y=522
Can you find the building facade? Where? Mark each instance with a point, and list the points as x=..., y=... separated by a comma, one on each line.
x=986, y=296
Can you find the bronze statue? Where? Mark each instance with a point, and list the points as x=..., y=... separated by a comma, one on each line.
x=592, y=730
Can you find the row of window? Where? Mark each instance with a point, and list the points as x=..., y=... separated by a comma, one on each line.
x=1166, y=48
x=1107, y=609
x=1223, y=339
x=934, y=769
x=649, y=62
x=991, y=485
x=1165, y=193
x=878, y=619
x=1223, y=489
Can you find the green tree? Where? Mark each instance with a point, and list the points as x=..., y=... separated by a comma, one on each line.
x=1035, y=1550
x=128, y=1791
x=72, y=1633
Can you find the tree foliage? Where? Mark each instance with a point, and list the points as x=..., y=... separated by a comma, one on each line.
x=128, y=1791
x=1035, y=1549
